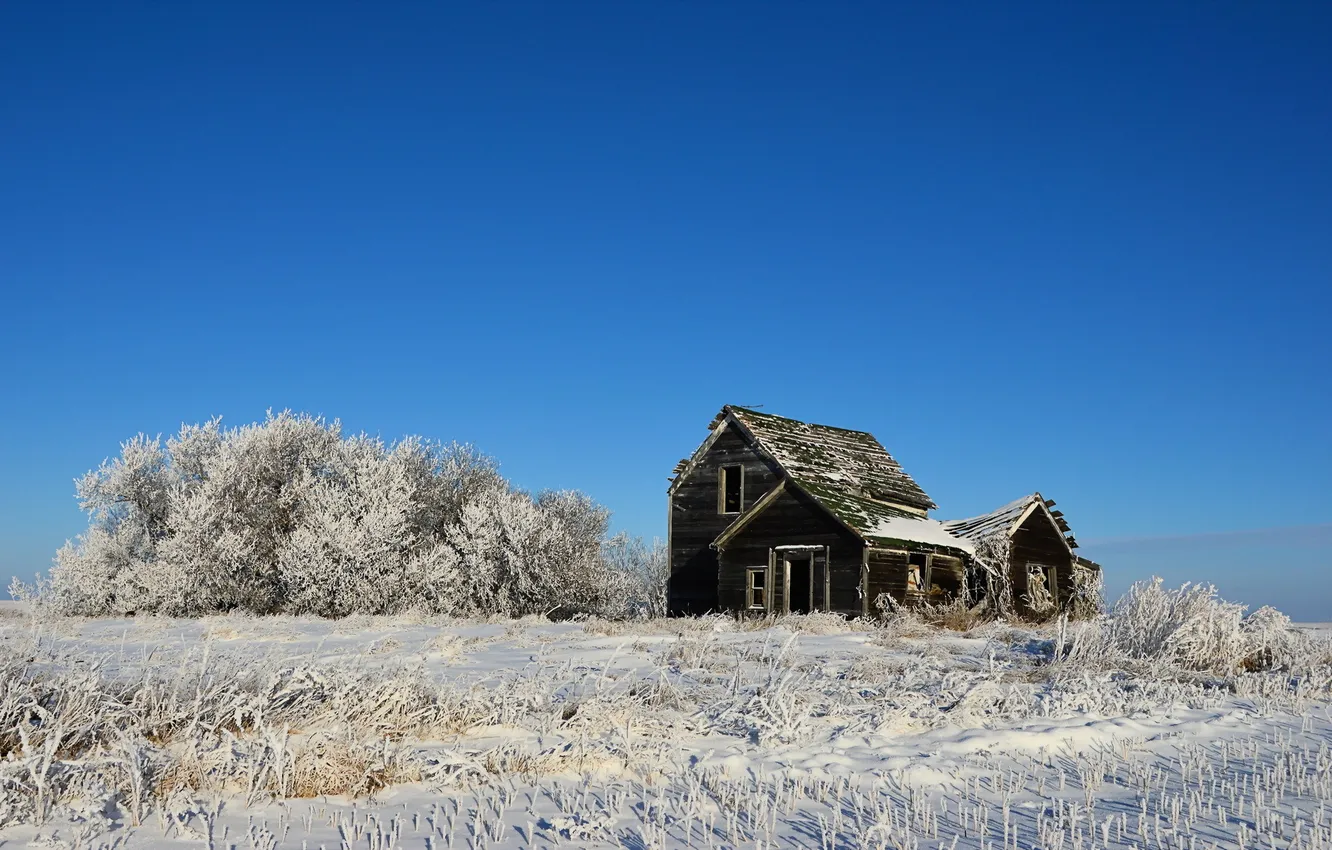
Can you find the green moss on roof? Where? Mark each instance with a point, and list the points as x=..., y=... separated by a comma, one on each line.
x=832, y=460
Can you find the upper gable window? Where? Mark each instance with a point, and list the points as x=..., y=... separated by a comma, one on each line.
x=731, y=489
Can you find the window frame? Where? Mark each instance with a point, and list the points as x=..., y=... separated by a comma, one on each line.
x=923, y=583
x=764, y=591
x=722, y=480
x=1050, y=574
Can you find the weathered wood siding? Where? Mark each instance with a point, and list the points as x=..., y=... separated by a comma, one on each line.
x=887, y=574
x=1039, y=541
x=941, y=577
x=695, y=522
x=792, y=520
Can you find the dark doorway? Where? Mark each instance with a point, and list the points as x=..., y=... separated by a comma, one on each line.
x=798, y=570
x=978, y=584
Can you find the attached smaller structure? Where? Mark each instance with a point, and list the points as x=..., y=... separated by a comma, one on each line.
x=1032, y=543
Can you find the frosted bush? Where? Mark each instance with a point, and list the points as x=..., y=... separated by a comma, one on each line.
x=1039, y=599
x=1087, y=599
x=817, y=623
x=290, y=516
x=1190, y=626
x=993, y=555
x=1080, y=647
x=644, y=572
x=1273, y=643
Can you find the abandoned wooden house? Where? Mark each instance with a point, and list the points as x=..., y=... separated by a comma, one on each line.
x=774, y=515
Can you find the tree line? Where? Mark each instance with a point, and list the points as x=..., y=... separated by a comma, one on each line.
x=291, y=516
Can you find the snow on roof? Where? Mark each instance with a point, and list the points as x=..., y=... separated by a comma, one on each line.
x=931, y=532
x=821, y=458
x=885, y=525
x=999, y=522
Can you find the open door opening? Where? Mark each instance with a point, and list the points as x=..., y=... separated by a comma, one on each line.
x=800, y=573
x=803, y=580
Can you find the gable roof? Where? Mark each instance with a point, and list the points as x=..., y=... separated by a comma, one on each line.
x=848, y=473
x=824, y=460
x=1004, y=521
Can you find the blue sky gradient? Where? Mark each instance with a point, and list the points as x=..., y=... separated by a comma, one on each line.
x=1074, y=248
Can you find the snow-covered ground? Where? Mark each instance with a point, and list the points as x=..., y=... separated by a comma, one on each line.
x=809, y=732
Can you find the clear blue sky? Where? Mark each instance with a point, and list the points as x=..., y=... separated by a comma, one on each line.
x=1080, y=248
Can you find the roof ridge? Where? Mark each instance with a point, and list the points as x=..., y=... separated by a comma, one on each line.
x=763, y=413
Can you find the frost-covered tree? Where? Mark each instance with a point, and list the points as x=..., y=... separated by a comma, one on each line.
x=288, y=515
x=518, y=555
x=643, y=572
x=127, y=499
x=357, y=528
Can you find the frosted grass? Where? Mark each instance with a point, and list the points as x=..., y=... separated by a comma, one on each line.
x=813, y=732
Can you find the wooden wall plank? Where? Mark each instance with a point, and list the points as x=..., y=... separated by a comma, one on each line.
x=695, y=522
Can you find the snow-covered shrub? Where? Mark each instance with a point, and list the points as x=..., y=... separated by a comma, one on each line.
x=514, y=554
x=993, y=554
x=358, y=531
x=1039, y=598
x=897, y=621
x=814, y=623
x=1273, y=643
x=1190, y=626
x=954, y=614
x=290, y=516
x=888, y=606
x=1087, y=599
x=1080, y=646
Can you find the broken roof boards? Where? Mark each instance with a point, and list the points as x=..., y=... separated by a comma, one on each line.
x=1005, y=521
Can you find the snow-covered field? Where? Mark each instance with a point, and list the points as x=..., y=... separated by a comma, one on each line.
x=804, y=732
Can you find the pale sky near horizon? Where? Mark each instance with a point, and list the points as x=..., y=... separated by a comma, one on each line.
x=1073, y=248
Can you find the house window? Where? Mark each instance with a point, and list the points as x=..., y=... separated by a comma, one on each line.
x=1042, y=591
x=731, y=489
x=757, y=584
x=918, y=572
x=945, y=577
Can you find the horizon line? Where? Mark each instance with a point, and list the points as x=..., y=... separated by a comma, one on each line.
x=1205, y=535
